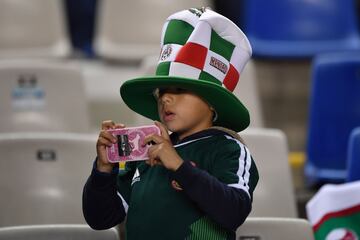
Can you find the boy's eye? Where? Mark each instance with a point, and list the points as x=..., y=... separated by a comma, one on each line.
x=173, y=90
x=159, y=92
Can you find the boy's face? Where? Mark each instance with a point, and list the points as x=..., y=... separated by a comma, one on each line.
x=183, y=112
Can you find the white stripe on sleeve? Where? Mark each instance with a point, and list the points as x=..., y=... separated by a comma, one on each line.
x=126, y=206
x=244, y=167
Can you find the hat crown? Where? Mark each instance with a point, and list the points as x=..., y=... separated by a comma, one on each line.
x=203, y=52
x=201, y=44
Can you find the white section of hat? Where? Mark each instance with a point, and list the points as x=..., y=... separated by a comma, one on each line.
x=186, y=16
x=227, y=29
x=201, y=34
x=183, y=70
x=239, y=58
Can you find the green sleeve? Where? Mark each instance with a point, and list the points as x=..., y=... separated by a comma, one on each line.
x=234, y=165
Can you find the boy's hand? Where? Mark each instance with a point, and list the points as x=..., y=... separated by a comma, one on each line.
x=105, y=140
x=162, y=152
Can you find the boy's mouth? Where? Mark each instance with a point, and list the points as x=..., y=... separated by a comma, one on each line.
x=168, y=115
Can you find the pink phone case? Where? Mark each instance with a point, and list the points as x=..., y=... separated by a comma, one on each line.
x=129, y=143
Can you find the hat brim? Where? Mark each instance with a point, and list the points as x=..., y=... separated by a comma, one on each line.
x=138, y=95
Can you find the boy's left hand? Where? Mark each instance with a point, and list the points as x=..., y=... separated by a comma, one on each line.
x=162, y=152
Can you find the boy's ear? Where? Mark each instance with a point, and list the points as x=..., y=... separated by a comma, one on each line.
x=215, y=115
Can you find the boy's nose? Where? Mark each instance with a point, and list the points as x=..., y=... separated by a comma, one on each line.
x=167, y=98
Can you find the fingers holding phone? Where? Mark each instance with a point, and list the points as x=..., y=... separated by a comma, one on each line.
x=162, y=152
x=104, y=141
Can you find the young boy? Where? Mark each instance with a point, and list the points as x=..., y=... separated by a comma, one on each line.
x=198, y=182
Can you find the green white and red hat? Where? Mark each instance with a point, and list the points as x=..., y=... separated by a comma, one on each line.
x=201, y=51
x=334, y=211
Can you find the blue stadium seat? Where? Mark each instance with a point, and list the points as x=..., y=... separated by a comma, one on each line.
x=300, y=28
x=334, y=112
x=353, y=157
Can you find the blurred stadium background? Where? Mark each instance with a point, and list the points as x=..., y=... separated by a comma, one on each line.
x=62, y=63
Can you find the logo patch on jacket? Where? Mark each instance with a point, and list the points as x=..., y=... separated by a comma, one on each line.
x=136, y=177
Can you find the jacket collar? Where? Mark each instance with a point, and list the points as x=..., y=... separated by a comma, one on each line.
x=213, y=131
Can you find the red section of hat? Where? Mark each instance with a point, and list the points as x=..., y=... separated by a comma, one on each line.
x=192, y=54
x=231, y=78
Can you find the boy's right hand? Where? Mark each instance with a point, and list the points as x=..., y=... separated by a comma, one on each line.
x=105, y=140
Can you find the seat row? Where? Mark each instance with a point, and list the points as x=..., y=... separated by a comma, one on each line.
x=253, y=228
x=128, y=30
x=63, y=96
x=57, y=96
x=45, y=173
x=39, y=28
x=334, y=113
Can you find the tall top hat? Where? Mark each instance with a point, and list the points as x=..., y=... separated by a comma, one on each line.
x=201, y=51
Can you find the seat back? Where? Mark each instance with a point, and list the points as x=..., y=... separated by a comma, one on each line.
x=300, y=28
x=334, y=112
x=274, y=195
x=275, y=228
x=42, y=96
x=33, y=29
x=132, y=29
x=353, y=156
x=57, y=232
x=247, y=91
x=42, y=176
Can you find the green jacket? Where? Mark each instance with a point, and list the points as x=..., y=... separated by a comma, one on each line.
x=208, y=197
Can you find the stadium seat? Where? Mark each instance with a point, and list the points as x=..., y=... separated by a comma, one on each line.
x=42, y=96
x=103, y=82
x=275, y=228
x=57, y=232
x=246, y=90
x=300, y=28
x=274, y=195
x=33, y=29
x=353, y=156
x=334, y=112
x=42, y=176
x=130, y=30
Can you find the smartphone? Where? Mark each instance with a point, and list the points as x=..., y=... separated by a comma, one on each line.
x=129, y=143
